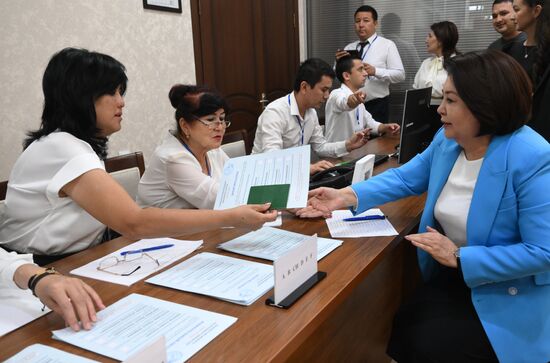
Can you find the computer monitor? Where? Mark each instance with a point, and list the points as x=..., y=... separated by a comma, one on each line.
x=419, y=124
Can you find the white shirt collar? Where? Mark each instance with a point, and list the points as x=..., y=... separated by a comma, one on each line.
x=372, y=37
x=346, y=89
x=294, y=111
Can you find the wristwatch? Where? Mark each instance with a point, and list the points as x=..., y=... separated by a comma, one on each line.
x=456, y=253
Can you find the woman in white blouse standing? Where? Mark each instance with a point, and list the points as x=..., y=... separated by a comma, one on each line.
x=441, y=42
x=185, y=170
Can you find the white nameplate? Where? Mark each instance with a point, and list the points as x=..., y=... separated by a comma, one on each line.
x=295, y=267
x=363, y=169
x=152, y=353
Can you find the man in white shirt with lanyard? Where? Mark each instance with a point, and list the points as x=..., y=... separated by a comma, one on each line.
x=381, y=59
x=292, y=121
x=345, y=111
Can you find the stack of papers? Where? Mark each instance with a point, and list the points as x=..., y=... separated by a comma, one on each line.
x=227, y=278
x=271, y=243
x=19, y=307
x=371, y=228
x=131, y=323
x=164, y=256
x=277, y=167
x=38, y=353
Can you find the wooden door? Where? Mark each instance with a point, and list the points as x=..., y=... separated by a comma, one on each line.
x=246, y=48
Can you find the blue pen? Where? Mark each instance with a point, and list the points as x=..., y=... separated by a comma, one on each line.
x=124, y=253
x=364, y=218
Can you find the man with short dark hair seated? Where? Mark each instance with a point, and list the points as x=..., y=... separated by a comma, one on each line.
x=345, y=111
x=292, y=121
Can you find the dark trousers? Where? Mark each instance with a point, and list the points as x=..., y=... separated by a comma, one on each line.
x=440, y=324
x=379, y=108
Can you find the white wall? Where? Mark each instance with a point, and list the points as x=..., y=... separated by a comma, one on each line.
x=156, y=48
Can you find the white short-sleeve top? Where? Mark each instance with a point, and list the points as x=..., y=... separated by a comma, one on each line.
x=174, y=178
x=36, y=219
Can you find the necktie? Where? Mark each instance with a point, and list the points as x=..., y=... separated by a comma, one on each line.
x=361, y=47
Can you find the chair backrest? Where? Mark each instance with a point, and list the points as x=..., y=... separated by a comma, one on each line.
x=234, y=149
x=126, y=161
x=235, y=136
x=129, y=179
x=3, y=189
x=127, y=170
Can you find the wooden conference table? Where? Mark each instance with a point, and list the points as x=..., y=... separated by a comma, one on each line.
x=346, y=317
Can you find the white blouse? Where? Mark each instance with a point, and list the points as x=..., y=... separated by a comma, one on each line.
x=432, y=74
x=9, y=262
x=174, y=178
x=452, y=206
x=36, y=219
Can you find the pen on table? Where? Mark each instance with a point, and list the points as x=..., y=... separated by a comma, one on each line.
x=364, y=218
x=154, y=248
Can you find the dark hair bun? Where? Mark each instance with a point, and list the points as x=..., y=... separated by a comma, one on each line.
x=178, y=92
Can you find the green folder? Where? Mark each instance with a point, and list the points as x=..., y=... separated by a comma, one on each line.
x=277, y=194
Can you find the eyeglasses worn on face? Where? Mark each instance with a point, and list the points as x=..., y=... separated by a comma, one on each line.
x=111, y=263
x=215, y=124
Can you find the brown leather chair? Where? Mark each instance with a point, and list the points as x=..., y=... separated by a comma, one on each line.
x=3, y=189
x=127, y=161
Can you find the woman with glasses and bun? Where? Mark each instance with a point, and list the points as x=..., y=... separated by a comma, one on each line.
x=185, y=170
x=60, y=198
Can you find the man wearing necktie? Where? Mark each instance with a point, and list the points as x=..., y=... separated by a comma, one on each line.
x=381, y=61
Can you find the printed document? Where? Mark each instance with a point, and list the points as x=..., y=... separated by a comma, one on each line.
x=288, y=166
x=341, y=229
x=133, y=322
x=18, y=307
x=146, y=264
x=272, y=243
x=227, y=278
x=38, y=353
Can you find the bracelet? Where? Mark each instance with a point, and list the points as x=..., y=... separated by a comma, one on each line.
x=33, y=281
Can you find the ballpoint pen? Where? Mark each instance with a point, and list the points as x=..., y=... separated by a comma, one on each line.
x=364, y=218
x=154, y=248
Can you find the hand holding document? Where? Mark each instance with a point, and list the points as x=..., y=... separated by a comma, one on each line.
x=227, y=278
x=133, y=322
x=371, y=223
x=38, y=353
x=272, y=243
x=276, y=168
x=137, y=260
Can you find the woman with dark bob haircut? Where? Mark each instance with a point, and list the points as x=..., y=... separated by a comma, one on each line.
x=186, y=169
x=60, y=198
x=484, y=237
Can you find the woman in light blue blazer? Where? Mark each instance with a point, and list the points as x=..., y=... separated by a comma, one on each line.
x=484, y=237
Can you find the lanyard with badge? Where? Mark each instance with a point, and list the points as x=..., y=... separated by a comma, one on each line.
x=189, y=149
x=299, y=123
x=367, y=50
x=358, y=126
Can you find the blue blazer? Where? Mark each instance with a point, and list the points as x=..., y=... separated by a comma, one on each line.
x=506, y=261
